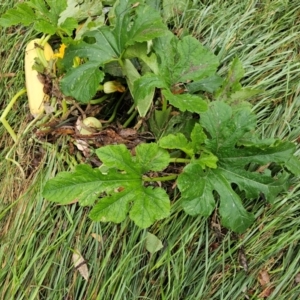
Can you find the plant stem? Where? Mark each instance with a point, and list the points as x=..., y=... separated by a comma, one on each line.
x=131, y=109
x=99, y=100
x=130, y=119
x=115, y=109
x=180, y=160
x=64, y=106
x=164, y=178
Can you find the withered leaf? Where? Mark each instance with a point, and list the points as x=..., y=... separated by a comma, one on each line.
x=80, y=264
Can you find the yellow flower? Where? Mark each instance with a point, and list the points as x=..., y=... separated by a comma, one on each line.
x=61, y=51
x=113, y=86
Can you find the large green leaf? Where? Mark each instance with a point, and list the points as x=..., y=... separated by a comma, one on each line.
x=118, y=157
x=20, y=13
x=226, y=127
x=112, y=208
x=84, y=185
x=184, y=60
x=99, y=46
x=150, y=205
x=197, y=187
x=191, y=103
x=86, y=76
x=144, y=26
x=177, y=141
x=196, y=191
x=120, y=190
x=43, y=15
x=229, y=143
x=151, y=157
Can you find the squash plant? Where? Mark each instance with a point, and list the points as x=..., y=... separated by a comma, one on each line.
x=172, y=81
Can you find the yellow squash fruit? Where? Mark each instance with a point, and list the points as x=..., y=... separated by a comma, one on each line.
x=34, y=86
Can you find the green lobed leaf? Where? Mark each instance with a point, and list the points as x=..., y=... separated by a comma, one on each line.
x=82, y=82
x=185, y=102
x=176, y=141
x=101, y=48
x=147, y=25
x=120, y=17
x=68, y=26
x=184, y=60
x=43, y=15
x=208, y=84
x=233, y=214
x=45, y=27
x=113, y=208
x=196, y=191
x=279, y=153
x=227, y=130
x=197, y=187
x=84, y=184
x=150, y=204
x=254, y=183
x=144, y=26
x=118, y=156
x=226, y=127
x=207, y=159
x=21, y=13
x=151, y=157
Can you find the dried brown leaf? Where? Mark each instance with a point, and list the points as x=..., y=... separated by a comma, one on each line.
x=266, y=292
x=263, y=278
x=97, y=237
x=80, y=264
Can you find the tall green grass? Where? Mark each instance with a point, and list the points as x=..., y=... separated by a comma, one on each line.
x=198, y=260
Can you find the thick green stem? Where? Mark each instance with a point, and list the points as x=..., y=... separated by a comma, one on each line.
x=164, y=178
x=99, y=100
x=64, y=106
x=180, y=160
x=40, y=51
x=130, y=119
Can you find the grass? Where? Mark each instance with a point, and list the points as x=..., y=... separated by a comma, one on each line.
x=198, y=261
